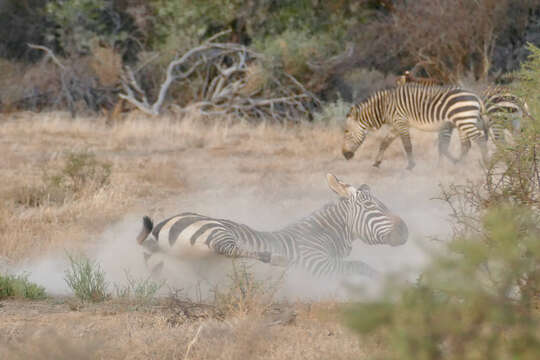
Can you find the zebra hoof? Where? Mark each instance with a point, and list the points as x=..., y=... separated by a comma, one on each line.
x=376, y=164
x=279, y=260
x=411, y=166
x=157, y=270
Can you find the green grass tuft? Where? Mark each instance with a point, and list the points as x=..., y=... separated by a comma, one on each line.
x=86, y=279
x=18, y=286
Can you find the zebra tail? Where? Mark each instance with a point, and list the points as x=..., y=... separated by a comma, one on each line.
x=148, y=225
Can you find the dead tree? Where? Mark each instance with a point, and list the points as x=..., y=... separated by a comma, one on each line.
x=220, y=76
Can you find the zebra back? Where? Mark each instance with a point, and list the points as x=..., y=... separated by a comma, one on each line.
x=423, y=105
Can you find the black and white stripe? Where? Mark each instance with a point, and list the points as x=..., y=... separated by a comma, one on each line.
x=504, y=110
x=319, y=243
x=423, y=107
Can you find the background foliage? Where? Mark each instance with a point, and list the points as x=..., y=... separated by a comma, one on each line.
x=325, y=45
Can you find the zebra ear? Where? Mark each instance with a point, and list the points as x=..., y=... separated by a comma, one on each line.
x=365, y=188
x=339, y=187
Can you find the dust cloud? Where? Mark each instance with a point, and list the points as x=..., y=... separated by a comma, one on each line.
x=276, y=201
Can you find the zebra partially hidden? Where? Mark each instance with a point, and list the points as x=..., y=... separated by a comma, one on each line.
x=504, y=110
x=319, y=243
x=424, y=107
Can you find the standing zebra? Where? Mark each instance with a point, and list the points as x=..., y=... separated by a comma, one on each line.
x=424, y=107
x=501, y=107
x=318, y=243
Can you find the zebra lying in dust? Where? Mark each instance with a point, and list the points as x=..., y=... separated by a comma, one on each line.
x=319, y=243
x=424, y=107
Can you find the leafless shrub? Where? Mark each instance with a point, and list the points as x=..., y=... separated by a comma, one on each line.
x=78, y=83
x=226, y=79
x=449, y=39
x=516, y=182
x=245, y=294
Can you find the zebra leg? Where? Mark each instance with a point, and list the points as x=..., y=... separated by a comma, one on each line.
x=445, y=134
x=150, y=248
x=358, y=268
x=497, y=131
x=385, y=143
x=482, y=144
x=465, y=145
x=407, y=145
x=228, y=246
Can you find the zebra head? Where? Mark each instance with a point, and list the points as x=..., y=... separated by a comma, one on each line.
x=368, y=218
x=355, y=132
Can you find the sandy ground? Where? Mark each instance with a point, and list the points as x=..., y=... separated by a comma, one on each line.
x=261, y=175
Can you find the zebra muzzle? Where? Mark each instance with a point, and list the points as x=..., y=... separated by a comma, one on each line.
x=348, y=154
x=399, y=234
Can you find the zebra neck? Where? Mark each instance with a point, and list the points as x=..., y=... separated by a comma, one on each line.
x=374, y=109
x=328, y=224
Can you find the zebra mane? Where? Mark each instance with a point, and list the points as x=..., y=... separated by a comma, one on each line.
x=378, y=95
x=313, y=216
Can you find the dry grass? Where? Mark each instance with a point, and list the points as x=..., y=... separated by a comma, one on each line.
x=151, y=159
x=148, y=158
x=112, y=332
x=160, y=166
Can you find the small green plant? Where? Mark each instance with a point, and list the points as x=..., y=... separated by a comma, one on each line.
x=18, y=286
x=86, y=279
x=333, y=113
x=80, y=174
x=143, y=291
x=80, y=170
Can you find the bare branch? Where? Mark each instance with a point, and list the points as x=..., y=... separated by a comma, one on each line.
x=49, y=53
x=222, y=89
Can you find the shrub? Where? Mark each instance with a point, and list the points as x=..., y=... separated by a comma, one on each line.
x=81, y=171
x=466, y=36
x=245, y=293
x=80, y=174
x=292, y=50
x=333, y=113
x=479, y=301
x=142, y=291
x=80, y=23
x=18, y=286
x=86, y=279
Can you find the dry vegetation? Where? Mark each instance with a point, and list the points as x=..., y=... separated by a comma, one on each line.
x=148, y=160
x=152, y=164
x=113, y=332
